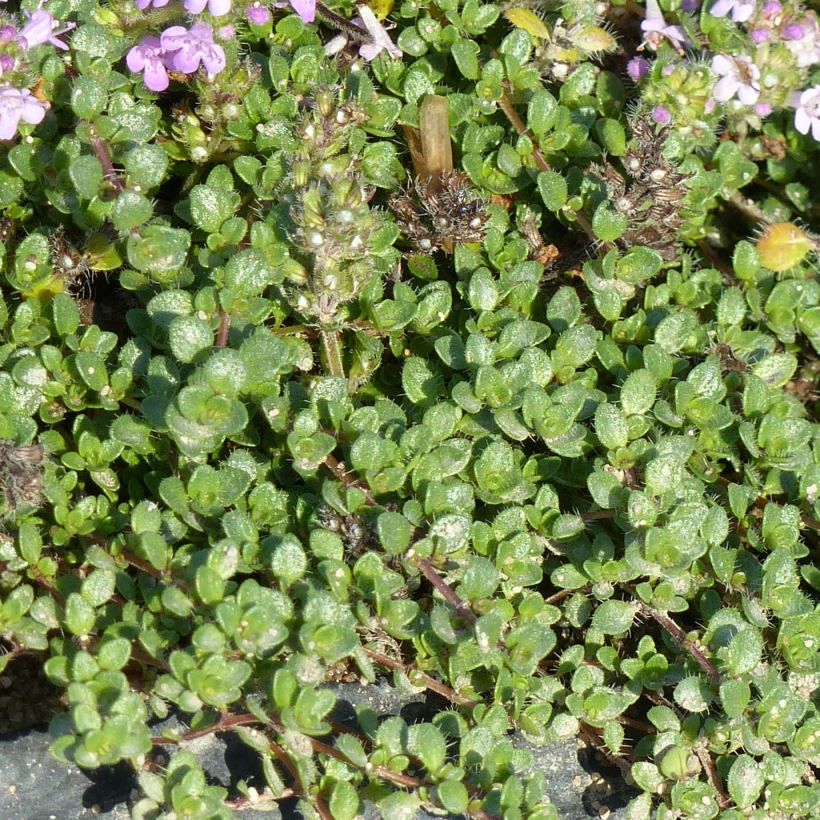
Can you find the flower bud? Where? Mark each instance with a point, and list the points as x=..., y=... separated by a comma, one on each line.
x=592, y=39
x=325, y=102
x=782, y=246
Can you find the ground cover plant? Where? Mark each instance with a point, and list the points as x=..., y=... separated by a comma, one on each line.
x=470, y=345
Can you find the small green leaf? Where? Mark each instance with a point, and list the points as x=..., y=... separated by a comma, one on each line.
x=188, y=335
x=553, y=189
x=614, y=617
x=745, y=780
x=453, y=796
x=92, y=370
x=79, y=614
x=344, y=802
x=607, y=223
x=465, y=53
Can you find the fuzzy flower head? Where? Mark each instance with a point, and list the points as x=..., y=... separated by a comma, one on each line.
x=807, y=111
x=42, y=28
x=739, y=77
x=655, y=30
x=186, y=49
x=216, y=8
x=258, y=14
x=740, y=10
x=18, y=105
x=661, y=115
x=637, y=68
x=148, y=56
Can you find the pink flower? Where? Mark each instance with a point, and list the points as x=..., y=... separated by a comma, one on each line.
x=149, y=57
x=655, y=30
x=306, y=9
x=739, y=77
x=217, y=8
x=379, y=38
x=807, y=113
x=186, y=49
x=15, y=105
x=42, y=28
x=144, y=4
x=741, y=10
x=378, y=34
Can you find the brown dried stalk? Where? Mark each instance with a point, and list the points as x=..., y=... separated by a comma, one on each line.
x=723, y=799
x=436, y=147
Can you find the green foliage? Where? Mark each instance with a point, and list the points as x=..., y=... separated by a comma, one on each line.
x=559, y=466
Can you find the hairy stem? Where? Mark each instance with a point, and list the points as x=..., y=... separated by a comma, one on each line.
x=331, y=353
x=506, y=106
x=511, y=114
x=224, y=329
x=723, y=799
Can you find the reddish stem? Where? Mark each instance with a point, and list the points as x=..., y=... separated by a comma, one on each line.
x=461, y=607
x=100, y=148
x=521, y=129
x=431, y=683
x=679, y=635
x=338, y=470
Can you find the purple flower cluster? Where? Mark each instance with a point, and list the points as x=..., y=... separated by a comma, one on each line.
x=799, y=32
x=177, y=49
x=19, y=104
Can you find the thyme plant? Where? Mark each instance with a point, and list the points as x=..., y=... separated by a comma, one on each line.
x=469, y=345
